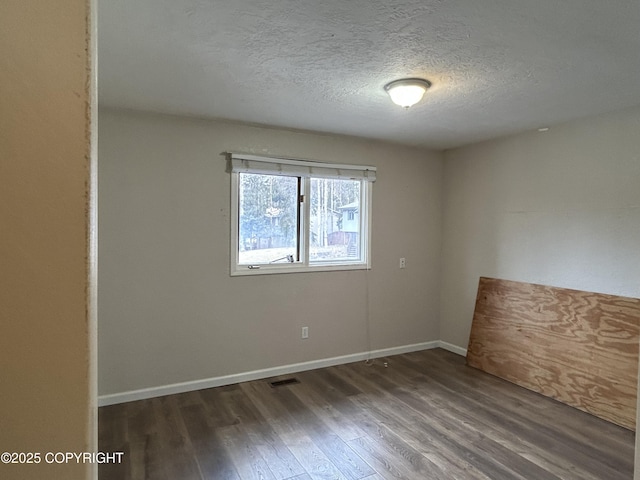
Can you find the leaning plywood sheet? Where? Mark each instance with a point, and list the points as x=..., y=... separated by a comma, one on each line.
x=580, y=348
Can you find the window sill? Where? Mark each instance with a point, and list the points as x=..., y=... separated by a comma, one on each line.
x=271, y=270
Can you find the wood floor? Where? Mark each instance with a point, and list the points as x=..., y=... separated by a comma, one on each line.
x=425, y=415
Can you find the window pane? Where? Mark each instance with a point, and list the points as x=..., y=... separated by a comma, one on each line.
x=268, y=219
x=335, y=220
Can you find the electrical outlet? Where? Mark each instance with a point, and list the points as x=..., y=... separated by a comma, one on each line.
x=305, y=332
x=403, y=263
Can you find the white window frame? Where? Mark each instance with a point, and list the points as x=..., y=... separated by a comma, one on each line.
x=305, y=170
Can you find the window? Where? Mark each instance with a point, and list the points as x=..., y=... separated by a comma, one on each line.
x=298, y=216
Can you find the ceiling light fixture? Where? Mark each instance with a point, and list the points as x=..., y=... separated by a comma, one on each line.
x=407, y=91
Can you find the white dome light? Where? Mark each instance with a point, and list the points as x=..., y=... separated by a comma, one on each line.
x=407, y=91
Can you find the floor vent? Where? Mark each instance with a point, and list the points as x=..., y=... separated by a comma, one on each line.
x=286, y=381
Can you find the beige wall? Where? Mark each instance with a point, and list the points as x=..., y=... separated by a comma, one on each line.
x=47, y=386
x=559, y=208
x=170, y=312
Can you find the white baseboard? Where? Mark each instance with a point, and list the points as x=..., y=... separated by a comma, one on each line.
x=151, y=392
x=453, y=348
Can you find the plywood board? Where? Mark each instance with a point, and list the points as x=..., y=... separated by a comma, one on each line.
x=580, y=348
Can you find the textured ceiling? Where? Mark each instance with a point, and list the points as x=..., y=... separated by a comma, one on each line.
x=497, y=66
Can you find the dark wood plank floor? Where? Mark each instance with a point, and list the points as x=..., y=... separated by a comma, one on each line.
x=425, y=415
